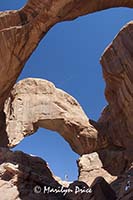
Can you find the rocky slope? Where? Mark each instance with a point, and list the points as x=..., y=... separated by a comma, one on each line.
x=29, y=177
x=25, y=176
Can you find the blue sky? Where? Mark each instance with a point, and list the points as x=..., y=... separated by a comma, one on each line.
x=69, y=57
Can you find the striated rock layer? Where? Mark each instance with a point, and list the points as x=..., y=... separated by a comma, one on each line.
x=22, y=30
x=117, y=117
x=37, y=103
x=34, y=103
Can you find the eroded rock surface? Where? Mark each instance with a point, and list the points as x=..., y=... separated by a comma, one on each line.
x=28, y=177
x=24, y=177
x=117, y=117
x=21, y=173
x=22, y=30
x=117, y=65
x=90, y=167
x=37, y=103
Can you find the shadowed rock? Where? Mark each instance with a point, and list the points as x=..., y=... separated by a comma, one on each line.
x=28, y=177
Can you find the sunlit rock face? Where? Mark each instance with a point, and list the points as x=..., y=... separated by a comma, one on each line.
x=37, y=103
x=34, y=103
x=117, y=117
x=22, y=30
x=91, y=167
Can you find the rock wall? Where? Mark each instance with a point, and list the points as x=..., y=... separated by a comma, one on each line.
x=25, y=176
x=117, y=117
x=27, y=26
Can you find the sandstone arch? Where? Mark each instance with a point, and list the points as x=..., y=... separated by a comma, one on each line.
x=22, y=30
x=111, y=136
x=35, y=103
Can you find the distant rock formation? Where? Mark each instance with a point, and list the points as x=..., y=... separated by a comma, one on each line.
x=91, y=167
x=34, y=103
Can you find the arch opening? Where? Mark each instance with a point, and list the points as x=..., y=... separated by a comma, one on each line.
x=51, y=147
